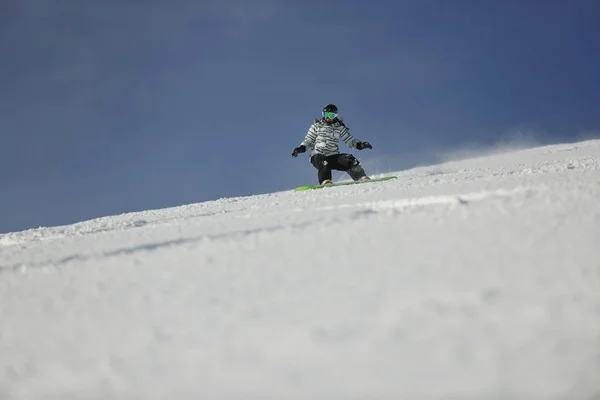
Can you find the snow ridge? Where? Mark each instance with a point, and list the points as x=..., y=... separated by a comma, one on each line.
x=477, y=278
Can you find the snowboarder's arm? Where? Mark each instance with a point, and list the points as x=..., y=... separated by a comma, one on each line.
x=351, y=141
x=311, y=137
x=347, y=137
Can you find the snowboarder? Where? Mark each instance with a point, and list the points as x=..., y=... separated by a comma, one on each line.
x=323, y=137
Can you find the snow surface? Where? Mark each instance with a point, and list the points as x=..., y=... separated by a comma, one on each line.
x=476, y=279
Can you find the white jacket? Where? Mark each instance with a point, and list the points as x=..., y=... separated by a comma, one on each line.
x=324, y=138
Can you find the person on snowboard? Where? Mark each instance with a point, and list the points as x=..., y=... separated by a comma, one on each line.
x=323, y=137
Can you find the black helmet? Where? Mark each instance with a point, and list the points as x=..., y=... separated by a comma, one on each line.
x=330, y=108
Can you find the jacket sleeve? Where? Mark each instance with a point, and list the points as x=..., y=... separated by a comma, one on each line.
x=311, y=137
x=347, y=137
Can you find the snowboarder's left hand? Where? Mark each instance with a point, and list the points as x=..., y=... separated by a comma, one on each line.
x=363, y=145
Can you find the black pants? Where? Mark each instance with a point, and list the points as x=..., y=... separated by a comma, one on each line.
x=338, y=162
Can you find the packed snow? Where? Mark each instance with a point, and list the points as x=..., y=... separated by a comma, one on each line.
x=472, y=279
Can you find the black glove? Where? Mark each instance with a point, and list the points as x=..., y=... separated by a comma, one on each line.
x=363, y=145
x=298, y=150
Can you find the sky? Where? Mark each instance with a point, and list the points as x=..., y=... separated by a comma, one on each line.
x=114, y=106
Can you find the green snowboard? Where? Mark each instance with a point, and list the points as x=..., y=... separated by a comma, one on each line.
x=311, y=187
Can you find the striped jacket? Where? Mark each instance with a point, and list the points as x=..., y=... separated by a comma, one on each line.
x=324, y=138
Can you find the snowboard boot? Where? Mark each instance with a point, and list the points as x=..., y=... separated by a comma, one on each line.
x=357, y=173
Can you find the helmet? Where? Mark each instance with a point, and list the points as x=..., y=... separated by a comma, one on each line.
x=330, y=111
x=330, y=108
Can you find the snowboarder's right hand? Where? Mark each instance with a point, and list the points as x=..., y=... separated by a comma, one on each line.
x=298, y=150
x=363, y=145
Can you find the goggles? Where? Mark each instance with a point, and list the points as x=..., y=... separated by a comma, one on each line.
x=331, y=115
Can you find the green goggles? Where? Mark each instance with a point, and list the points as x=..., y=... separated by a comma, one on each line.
x=331, y=115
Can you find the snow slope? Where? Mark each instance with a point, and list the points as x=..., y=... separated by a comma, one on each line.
x=477, y=279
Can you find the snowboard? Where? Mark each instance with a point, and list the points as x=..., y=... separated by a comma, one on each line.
x=311, y=187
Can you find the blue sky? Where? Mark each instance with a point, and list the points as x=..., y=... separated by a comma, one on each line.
x=114, y=106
